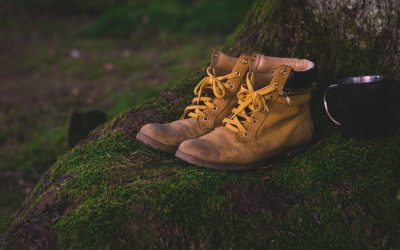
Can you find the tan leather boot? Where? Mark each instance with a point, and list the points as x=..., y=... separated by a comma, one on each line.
x=266, y=122
x=216, y=95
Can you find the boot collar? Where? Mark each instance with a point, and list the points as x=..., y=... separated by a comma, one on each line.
x=301, y=77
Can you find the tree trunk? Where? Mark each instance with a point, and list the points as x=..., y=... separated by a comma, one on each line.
x=112, y=192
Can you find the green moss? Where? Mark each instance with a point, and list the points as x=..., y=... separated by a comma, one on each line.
x=100, y=169
x=134, y=196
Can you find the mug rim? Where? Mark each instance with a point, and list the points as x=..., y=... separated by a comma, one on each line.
x=361, y=79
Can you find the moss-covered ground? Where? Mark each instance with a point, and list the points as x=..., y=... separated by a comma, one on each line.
x=340, y=194
x=112, y=192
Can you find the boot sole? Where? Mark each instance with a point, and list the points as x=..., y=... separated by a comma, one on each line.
x=155, y=144
x=247, y=166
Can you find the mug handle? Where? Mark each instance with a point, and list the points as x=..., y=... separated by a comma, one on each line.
x=334, y=86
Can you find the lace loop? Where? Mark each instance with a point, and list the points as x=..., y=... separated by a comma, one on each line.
x=249, y=101
x=218, y=85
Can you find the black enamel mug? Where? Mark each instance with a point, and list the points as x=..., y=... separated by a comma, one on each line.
x=360, y=105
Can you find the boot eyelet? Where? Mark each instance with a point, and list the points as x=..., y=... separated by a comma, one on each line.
x=254, y=121
x=216, y=54
x=270, y=97
x=215, y=108
x=273, y=71
x=246, y=134
x=276, y=85
x=283, y=72
x=205, y=118
x=244, y=61
x=237, y=72
x=232, y=86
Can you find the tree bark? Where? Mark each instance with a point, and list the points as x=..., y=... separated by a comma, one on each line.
x=110, y=192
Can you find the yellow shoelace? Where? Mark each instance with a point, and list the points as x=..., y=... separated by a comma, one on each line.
x=252, y=100
x=217, y=84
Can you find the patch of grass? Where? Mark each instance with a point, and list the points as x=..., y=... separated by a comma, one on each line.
x=40, y=153
x=64, y=6
x=174, y=15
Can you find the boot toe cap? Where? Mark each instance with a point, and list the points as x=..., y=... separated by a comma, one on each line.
x=197, y=148
x=150, y=130
x=154, y=131
x=161, y=133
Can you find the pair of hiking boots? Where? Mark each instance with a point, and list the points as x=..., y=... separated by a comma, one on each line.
x=246, y=111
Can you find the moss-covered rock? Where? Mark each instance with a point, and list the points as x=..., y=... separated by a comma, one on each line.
x=113, y=192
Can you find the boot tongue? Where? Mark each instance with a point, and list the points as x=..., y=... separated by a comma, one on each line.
x=264, y=67
x=222, y=63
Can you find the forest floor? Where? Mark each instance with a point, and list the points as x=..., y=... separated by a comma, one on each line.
x=55, y=64
x=113, y=192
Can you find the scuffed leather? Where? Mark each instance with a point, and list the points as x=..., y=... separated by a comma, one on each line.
x=283, y=127
x=174, y=133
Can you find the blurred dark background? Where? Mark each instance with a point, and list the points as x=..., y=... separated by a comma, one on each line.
x=64, y=57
